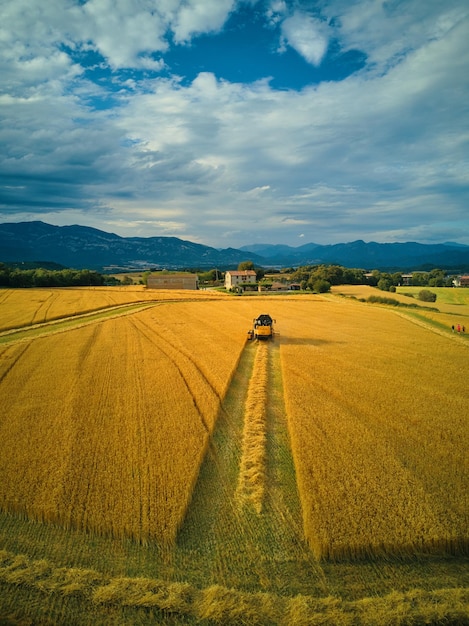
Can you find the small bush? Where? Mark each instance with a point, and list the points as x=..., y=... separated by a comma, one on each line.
x=427, y=296
x=383, y=300
x=321, y=286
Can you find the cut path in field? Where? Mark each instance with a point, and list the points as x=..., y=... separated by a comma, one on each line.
x=252, y=472
x=234, y=535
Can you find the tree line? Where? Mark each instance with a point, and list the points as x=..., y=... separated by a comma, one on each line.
x=40, y=277
x=320, y=278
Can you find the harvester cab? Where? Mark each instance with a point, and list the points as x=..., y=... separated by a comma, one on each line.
x=262, y=328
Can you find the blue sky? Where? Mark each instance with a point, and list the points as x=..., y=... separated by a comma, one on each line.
x=230, y=122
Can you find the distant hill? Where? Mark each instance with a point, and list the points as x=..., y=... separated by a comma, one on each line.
x=383, y=256
x=279, y=251
x=82, y=247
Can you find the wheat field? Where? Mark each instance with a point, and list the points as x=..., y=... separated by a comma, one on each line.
x=156, y=467
x=377, y=408
x=103, y=428
x=27, y=307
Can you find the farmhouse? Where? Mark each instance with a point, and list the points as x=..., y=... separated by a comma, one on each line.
x=464, y=281
x=176, y=280
x=244, y=278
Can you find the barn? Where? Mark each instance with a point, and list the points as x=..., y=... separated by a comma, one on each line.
x=175, y=280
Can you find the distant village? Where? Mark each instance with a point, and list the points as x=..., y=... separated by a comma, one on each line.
x=249, y=280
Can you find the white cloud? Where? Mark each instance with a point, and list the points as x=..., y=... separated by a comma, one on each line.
x=125, y=32
x=307, y=35
x=387, y=31
x=122, y=29
x=381, y=144
x=196, y=16
x=276, y=12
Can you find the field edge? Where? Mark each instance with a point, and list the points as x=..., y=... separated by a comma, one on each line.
x=218, y=604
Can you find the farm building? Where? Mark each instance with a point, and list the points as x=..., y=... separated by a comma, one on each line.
x=464, y=281
x=279, y=286
x=276, y=286
x=244, y=278
x=179, y=280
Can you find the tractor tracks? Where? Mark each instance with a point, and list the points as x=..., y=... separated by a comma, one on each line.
x=13, y=362
x=173, y=354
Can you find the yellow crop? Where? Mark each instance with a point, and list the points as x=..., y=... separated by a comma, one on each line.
x=104, y=427
x=25, y=307
x=377, y=408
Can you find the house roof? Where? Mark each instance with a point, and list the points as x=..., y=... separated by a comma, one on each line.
x=173, y=275
x=242, y=273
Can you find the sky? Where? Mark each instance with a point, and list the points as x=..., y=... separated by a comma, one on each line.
x=234, y=122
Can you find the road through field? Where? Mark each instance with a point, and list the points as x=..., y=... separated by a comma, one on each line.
x=227, y=536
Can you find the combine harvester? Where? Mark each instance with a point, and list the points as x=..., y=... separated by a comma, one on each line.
x=262, y=328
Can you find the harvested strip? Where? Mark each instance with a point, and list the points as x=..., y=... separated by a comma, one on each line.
x=251, y=484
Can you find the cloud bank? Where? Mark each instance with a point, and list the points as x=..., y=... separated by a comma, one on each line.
x=97, y=128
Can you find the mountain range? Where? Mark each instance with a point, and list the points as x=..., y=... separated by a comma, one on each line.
x=83, y=247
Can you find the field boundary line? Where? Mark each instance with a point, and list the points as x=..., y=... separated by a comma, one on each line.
x=227, y=605
x=412, y=317
x=83, y=319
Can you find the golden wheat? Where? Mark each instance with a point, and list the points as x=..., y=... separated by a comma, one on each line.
x=104, y=427
x=377, y=410
x=25, y=307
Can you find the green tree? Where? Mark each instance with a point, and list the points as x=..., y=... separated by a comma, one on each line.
x=302, y=274
x=396, y=279
x=436, y=278
x=321, y=286
x=4, y=275
x=245, y=265
x=260, y=273
x=373, y=280
x=419, y=279
x=208, y=277
x=385, y=282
